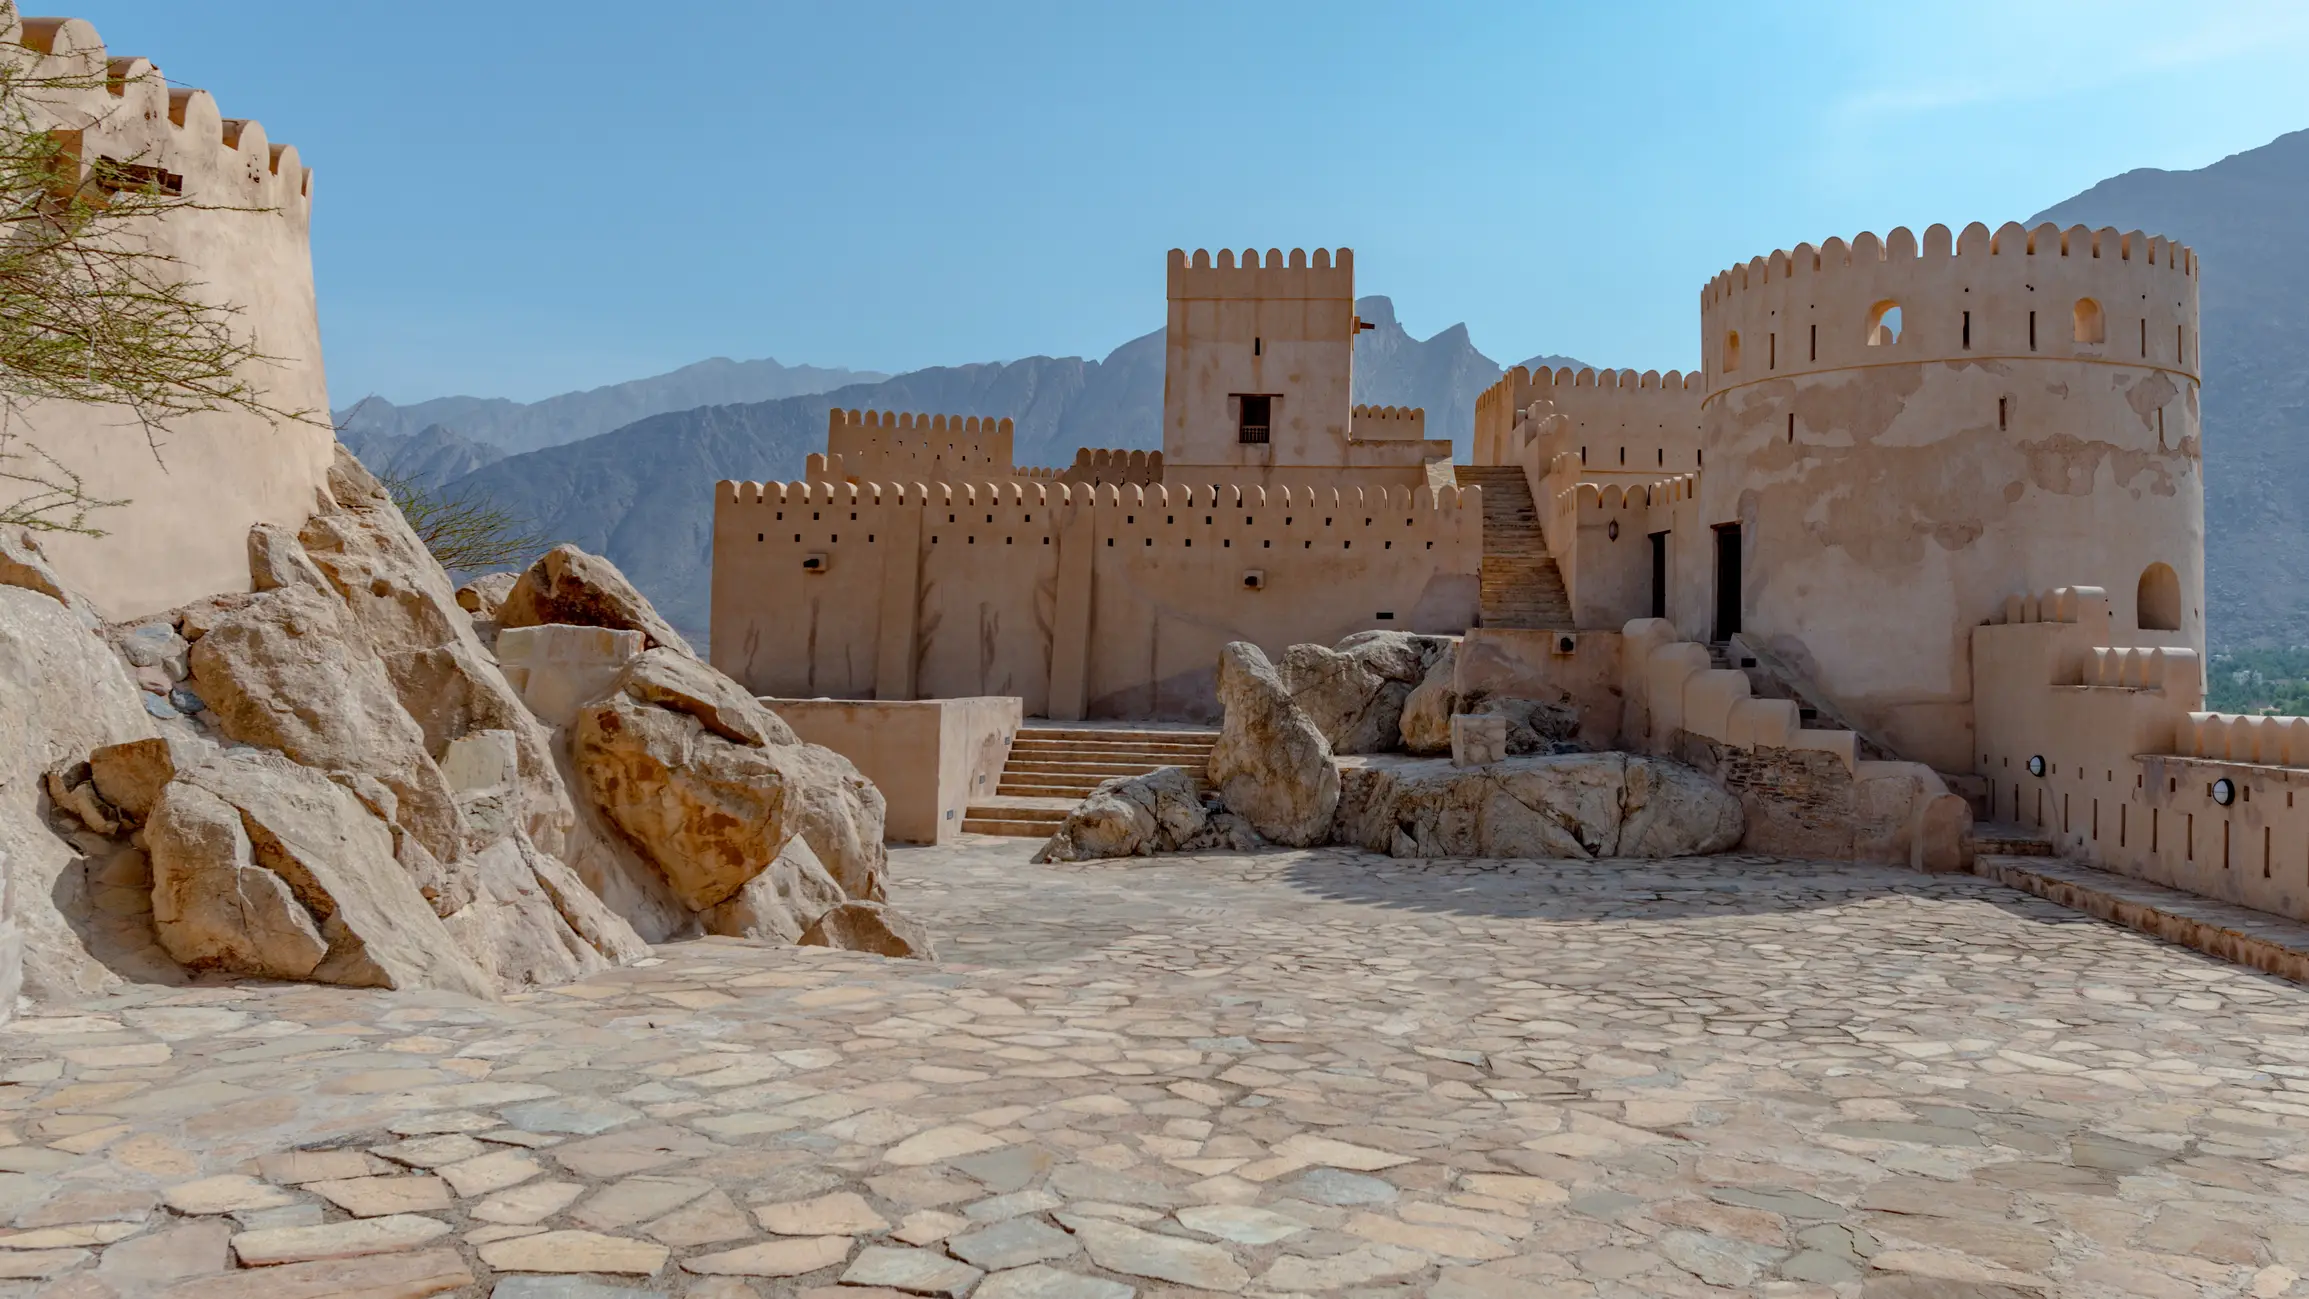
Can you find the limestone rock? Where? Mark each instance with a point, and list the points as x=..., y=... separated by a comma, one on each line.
x=1428, y=709
x=780, y=903
x=263, y=867
x=1477, y=740
x=1271, y=763
x=673, y=680
x=1533, y=725
x=1671, y=810
x=1355, y=693
x=63, y=692
x=514, y=930
x=290, y=673
x=482, y=596
x=446, y=680
x=278, y=559
x=130, y=775
x=1137, y=816
x=711, y=813
x=871, y=927
x=569, y=585
x=1578, y=805
x=25, y=566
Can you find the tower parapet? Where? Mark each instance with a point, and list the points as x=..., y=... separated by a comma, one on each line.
x=891, y=446
x=1950, y=419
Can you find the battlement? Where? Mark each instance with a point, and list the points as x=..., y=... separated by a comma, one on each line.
x=1387, y=424
x=129, y=115
x=1644, y=422
x=893, y=445
x=1296, y=275
x=1100, y=465
x=2058, y=294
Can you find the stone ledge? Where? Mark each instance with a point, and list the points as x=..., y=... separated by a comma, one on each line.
x=2233, y=933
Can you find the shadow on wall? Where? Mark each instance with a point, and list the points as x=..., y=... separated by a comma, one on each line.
x=1643, y=890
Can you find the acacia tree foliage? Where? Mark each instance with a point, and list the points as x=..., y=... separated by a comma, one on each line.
x=465, y=531
x=92, y=309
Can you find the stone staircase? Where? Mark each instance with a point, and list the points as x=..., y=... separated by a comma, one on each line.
x=1052, y=768
x=1522, y=587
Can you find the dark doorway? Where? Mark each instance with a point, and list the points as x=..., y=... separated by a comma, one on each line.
x=1659, y=575
x=1727, y=580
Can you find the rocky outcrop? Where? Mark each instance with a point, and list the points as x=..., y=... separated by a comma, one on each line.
x=568, y=585
x=871, y=927
x=1138, y=816
x=1271, y=764
x=63, y=692
x=668, y=760
x=1355, y=693
x=484, y=595
x=267, y=868
x=1426, y=720
x=781, y=902
x=1581, y=805
x=1533, y=725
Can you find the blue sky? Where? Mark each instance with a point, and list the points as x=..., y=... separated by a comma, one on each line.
x=517, y=198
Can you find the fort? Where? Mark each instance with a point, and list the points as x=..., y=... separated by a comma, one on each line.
x=1930, y=513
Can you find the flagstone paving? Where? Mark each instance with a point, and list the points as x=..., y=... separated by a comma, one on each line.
x=1285, y=1073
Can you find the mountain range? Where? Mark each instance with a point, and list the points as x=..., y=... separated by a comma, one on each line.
x=626, y=470
x=2248, y=218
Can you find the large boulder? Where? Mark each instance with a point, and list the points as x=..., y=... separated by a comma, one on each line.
x=290, y=672
x=782, y=902
x=568, y=585
x=447, y=681
x=265, y=868
x=1580, y=805
x=1271, y=764
x=1427, y=711
x=1138, y=816
x=1355, y=693
x=1533, y=725
x=710, y=811
x=484, y=595
x=63, y=692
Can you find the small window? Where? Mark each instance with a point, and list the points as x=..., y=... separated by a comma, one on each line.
x=1257, y=409
x=1731, y=351
x=2091, y=325
x=1884, y=324
x=2159, y=603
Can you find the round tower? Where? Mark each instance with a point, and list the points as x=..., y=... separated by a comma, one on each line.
x=1894, y=439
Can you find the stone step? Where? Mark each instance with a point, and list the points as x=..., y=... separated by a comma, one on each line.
x=2223, y=930
x=1063, y=751
x=2002, y=839
x=1007, y=828
x=1099, y=734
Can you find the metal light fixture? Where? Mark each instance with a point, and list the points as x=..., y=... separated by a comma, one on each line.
x=2036, y=764
x=2224, y=791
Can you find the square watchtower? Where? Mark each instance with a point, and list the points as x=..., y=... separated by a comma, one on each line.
x=1259, y=364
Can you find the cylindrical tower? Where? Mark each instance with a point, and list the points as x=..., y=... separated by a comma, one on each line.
x=1894, y=440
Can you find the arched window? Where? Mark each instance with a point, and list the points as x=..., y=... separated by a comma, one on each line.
x=2091, y=325
x=1731, y=351
x=2159, y=602
x=1884, y=324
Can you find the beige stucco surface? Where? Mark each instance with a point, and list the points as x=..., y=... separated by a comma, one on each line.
x=193, y=492
x=928, y=757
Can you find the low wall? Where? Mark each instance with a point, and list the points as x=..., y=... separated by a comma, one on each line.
x=929, y=757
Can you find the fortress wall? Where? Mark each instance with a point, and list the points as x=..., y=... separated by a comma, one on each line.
x=2130, y=761
x=1099, y=601
x=184, y=531
x=1388, y=424
x=1949, y=464
x=1283, y=326
x=894, y=447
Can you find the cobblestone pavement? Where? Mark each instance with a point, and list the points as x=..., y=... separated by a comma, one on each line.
x=1289, y=1073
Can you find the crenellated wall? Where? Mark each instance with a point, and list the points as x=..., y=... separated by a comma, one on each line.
x=1389, y=424
x=244, y=240
x=2130, y=760
x=1283, y=328
x=1888, y=487
x=1083, y=600
x=888, y=446
x=1616, y=421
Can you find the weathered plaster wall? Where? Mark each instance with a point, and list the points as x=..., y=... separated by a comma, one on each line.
x=184, y=531
x=1082, y=601
x=1891, y=493
x=1528, y=664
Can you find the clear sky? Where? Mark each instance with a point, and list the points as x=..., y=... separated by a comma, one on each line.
x=516, y=198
